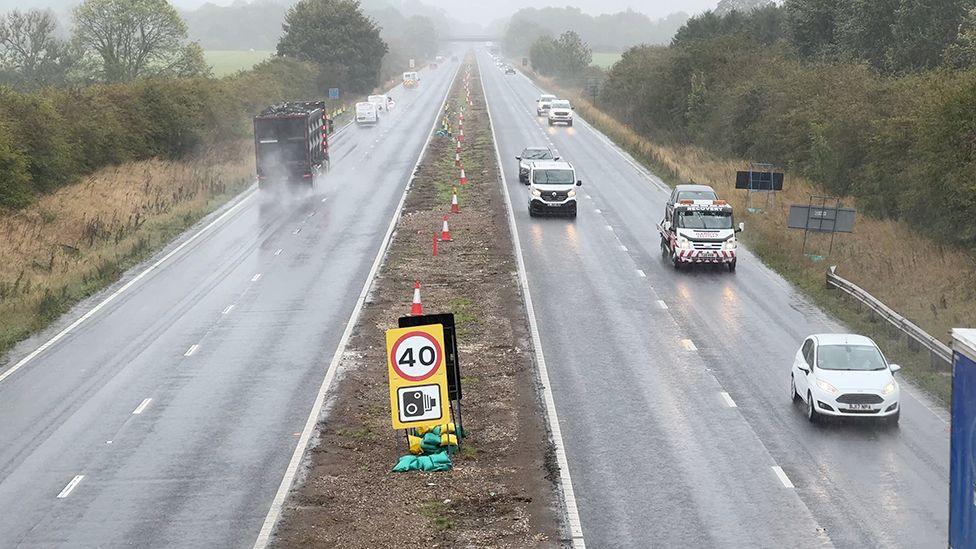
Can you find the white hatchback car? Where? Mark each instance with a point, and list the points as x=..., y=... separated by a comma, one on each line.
x=844, y=375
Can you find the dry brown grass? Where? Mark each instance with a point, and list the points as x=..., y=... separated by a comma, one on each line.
x=75, y=241
x=933, y=285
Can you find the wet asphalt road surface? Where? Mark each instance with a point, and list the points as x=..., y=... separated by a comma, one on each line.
x=639, y=356
x=229, y=338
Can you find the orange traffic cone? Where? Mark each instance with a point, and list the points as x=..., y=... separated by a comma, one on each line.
x=446, y=232
x=461, y=135
x=457, y=160
x=416, y=308
x=464, y=178
x=457, y=149
x=455, y=208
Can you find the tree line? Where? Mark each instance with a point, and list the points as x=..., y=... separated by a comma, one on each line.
x=128, y=85
x=872, y=99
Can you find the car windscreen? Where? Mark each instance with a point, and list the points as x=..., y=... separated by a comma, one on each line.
x=560, y=104
x=703, y=219
x=696, y=195
x=850, y=357
x=537, y=154
x=553, y=177
x=547, y=98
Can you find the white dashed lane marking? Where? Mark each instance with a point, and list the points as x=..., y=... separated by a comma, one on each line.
x=142, y=407
x=787, y=483
x=71, y=486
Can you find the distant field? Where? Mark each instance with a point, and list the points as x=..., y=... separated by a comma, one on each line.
x=605, y=60
x=224, y=62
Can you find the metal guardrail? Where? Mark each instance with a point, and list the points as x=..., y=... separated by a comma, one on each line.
x=937, y=348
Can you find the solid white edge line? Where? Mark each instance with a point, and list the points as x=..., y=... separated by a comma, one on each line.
x=787, y=483
x=728, y=400
x=565, y=481
x=271, y=520
x=71, y=486
x=192, y=350
x=247, y=195
x=142, y=407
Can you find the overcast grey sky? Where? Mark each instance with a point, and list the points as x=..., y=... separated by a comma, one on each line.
x=486, y=11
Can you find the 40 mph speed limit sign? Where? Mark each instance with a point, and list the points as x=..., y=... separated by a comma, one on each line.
x=418, y=376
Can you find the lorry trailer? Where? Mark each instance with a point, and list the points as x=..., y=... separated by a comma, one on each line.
x=291, y=142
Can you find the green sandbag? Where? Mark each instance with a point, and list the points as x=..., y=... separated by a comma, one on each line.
x=437, y=462
x=431, y=443
x=406, y=463
x=441, y=462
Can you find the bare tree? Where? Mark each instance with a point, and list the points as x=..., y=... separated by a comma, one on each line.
x=136, y=38
x=31, y=54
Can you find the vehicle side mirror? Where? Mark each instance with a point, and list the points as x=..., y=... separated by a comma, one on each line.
x=579, y=182
x=518, y=158
x=555, y=158
x=894, y=367
x=740, y=228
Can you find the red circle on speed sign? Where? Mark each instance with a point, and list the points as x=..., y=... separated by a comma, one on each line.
x=415, y=356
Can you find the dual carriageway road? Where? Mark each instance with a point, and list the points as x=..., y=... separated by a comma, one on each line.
x=671, y=387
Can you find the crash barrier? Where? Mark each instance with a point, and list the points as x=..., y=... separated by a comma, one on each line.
x=936, y=348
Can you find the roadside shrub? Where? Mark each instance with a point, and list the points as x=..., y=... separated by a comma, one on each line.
x=53, y=137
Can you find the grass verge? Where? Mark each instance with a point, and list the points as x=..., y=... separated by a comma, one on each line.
x=81, y=238
x=931, y=284
x=500, y=492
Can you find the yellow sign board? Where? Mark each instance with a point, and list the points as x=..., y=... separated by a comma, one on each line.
x=418, y=376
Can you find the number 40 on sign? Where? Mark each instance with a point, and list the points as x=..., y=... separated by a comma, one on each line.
x=418, y=376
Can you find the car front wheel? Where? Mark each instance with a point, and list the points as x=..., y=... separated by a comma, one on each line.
x=794, y=396
x=812, y=414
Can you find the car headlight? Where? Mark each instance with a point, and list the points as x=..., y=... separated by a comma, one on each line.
x=889, y=388
x=826, y=386
x=536, y=192
x=684, y=243
x=729, y=244
x=571, y=193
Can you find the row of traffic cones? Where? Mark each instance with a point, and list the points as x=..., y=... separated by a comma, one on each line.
x=417, y=306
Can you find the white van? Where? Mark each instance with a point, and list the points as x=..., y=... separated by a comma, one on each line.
x=378, y=100
x=366, y=114
x=552, y=188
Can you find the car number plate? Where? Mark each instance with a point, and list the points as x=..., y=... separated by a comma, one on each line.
x=860, y=407
x=553, y=205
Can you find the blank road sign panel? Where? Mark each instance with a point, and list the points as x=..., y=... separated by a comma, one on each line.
x=759, y=181
x=821, y=219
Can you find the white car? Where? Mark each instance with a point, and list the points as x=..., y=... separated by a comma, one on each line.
x=561, y=112
x=844, y=375
x=542, y=104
